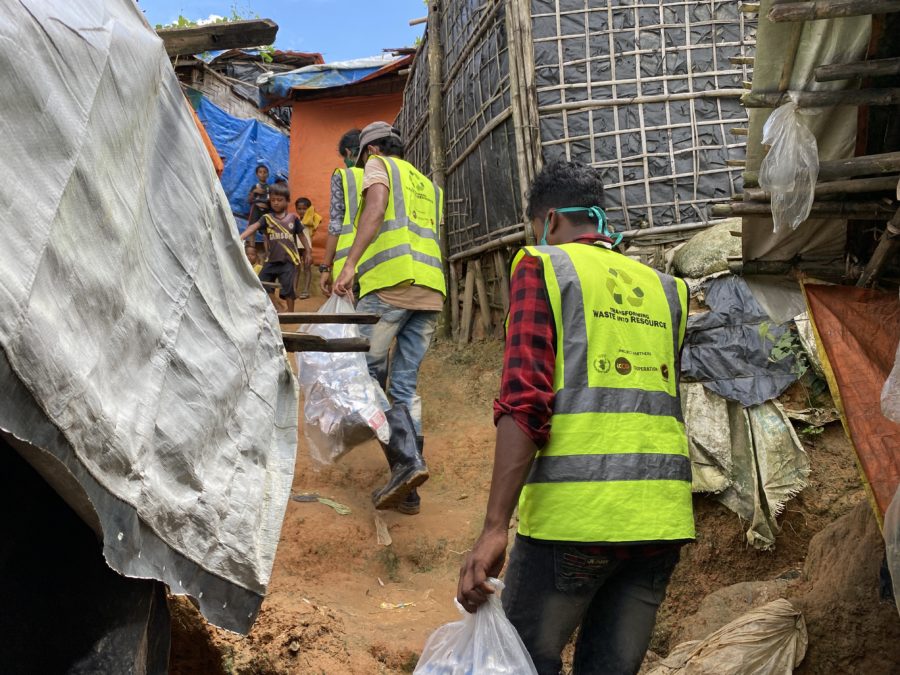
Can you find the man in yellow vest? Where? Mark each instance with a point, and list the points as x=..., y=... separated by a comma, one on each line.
x=346, y=194
x=397, y=258
x=590, y=439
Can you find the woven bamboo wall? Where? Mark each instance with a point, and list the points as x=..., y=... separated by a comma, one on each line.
x=645, y=90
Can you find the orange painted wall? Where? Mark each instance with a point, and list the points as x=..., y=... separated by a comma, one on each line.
x=316, y=128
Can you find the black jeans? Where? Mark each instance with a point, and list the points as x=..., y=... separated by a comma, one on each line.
x=553, y=589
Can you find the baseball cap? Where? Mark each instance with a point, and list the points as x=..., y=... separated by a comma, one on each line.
x=374, y=132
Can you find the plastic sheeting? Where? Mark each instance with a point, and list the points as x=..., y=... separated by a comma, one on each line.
x=750, y=458
x=243, y=145
x=890, y=394
x=857, y=331
x=820, y=42
x=323, y=76
x=728, y=348
x=891, y=532
x=141, y=360
x=770, y=640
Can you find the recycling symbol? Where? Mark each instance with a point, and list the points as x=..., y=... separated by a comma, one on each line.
x=620, y=285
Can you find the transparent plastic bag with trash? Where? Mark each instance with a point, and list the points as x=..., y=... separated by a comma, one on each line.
x=343, y=405
x=483, y=643
x=791, y=167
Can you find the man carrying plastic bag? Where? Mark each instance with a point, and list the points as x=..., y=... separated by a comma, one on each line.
x=590, y=432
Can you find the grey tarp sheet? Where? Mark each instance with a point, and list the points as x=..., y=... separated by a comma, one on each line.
x=749, y=458
x=141, y=360
x=725, y=350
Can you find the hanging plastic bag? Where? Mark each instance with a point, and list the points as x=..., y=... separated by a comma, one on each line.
x=344, y=406
x=790, y=170
x=890, y=397
x=483, y=643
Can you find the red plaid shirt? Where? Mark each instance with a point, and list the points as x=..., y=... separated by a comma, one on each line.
x=526, y=387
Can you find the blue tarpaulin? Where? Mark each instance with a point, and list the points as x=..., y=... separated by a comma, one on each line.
x=322, y=76
x=243, y=144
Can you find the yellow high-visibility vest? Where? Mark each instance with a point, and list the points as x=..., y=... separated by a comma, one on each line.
x=616, y=467
x=406, y=249
x=352, y=180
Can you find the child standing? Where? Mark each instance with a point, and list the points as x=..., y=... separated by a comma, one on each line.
x=310, y=220
x=281, y=229
x=259, y=194
x=253, y=257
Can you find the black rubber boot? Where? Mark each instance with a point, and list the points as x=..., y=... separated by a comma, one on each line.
x=408, y=470
x=413, y=503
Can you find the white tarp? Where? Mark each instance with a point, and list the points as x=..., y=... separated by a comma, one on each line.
x=141, y=360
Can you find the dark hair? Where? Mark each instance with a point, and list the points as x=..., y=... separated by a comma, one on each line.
x=349, y=141
x=303, y=200
x=561, y=184
x=389, y=146
x=281, y=190
x=261, y=166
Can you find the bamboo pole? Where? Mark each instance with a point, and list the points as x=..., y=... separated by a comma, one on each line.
x=484, y=133
x=838, y=187
x=823, y=99
x=888, y=162
x=436, y=135
x=502, y=279
x=315, y=317
x=847, y=71
x=465, y=328
x=484, y=304
x=635, y=100
x=887, y=247
x=454, y=298
x=830, y=9
x=848, y=210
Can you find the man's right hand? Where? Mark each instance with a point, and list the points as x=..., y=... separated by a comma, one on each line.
x=325, y=283
x=484, y=560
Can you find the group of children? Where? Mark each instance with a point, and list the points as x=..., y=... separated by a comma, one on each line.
x=287, y=237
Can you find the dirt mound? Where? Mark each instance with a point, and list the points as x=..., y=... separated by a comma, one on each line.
x=851, y=629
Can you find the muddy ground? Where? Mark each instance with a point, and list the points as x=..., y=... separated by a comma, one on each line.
x=339, y=602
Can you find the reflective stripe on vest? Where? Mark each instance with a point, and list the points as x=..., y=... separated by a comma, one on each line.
x=616, y=468
x=407, y=248
x=351, y=180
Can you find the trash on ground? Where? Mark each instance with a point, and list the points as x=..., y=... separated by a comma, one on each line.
x=399, y=605
x=381, y=531
x=707, y=252
x=771, y=639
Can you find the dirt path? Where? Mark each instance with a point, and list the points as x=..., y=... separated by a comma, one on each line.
x=334, y=595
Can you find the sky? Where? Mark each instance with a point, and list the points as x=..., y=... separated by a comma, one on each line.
x=338, y=29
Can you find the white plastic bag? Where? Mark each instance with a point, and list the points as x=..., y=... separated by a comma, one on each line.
x=890, y=397
x=344, y=406
x=790, y=169
x=484, y=643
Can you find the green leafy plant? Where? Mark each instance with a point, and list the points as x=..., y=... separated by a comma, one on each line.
x=785, y=346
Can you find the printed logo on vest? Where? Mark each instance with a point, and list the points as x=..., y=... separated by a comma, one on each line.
x=619, y=284
x=664, y=371
x=602, y=364
x=623, y=366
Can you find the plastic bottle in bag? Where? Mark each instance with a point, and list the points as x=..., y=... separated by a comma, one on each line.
x=483, y=643
x=791, y=168
x=343, y=405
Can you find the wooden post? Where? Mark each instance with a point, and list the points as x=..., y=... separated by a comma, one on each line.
x=830, y=9
x=436, y=135
x=502, y=279
x=823, y=99
x=213, y=36
x=849, y=210
x=484, y=303
x=847, y=71
x=465, y=328
x=454, y=298
x=888, y=245
x=838, y=187
x=888, y=162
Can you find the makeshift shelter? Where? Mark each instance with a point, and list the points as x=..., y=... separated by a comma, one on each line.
x=648, y=92
x=142, y=365
x=327, y=101
x=243, y=144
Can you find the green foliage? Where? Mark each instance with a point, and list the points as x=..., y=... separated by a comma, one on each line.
x=812, y=431
x=785, y=346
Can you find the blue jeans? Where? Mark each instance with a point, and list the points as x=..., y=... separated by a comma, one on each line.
x=413, y=330
x=553, y=589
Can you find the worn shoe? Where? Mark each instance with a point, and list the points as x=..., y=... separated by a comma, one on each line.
x=413, y=503
x=408, y=469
